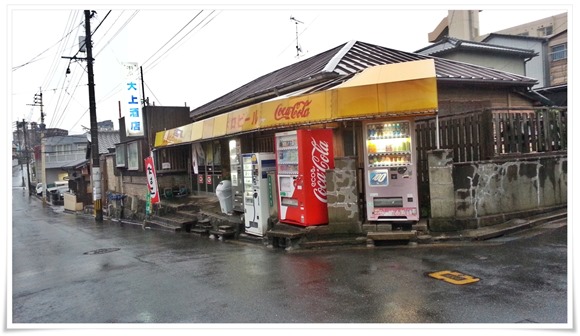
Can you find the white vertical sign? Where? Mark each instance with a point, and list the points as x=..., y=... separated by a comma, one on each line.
x=131, y=100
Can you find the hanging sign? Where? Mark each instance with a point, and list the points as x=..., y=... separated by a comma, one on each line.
x=131, y=100
x=151, y=180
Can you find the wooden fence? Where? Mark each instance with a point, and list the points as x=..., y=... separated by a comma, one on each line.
x=489, y=134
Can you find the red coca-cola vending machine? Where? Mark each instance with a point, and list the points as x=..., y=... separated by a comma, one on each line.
x=302, y=158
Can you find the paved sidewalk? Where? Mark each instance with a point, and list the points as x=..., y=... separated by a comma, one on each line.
x=497, y=230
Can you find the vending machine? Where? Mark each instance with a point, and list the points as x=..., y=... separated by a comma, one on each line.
x=302, y=158
x=391, y=171
x=236, y=175
x=255, y=168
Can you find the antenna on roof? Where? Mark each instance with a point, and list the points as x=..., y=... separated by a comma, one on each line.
x=298, y=49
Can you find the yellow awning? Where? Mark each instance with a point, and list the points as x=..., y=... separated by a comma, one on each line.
x=390, y=73
x=391, y=89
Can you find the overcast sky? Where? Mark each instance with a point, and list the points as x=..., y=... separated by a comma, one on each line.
x=220, y=49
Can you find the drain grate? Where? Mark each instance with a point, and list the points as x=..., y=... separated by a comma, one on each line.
x=102, y=251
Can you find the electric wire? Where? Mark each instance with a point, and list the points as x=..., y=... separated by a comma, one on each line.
x=62, y=77
x=119, y=30
x=107, y=32
x=34, y=59
x=113, y=91
x=158, y=59
x=54, y=65
x=156, y=99
x=59, y=119
x=187, y=24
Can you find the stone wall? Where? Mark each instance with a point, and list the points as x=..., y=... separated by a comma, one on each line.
x=477, y=194
x=342, y=195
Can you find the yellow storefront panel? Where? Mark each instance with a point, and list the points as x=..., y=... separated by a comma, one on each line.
x=173, y=136
x=296, y=110
x=408, y=96
x=208, y=128
x=220, y=125
x=243, y=119
x=356, y=101
x=196, y=130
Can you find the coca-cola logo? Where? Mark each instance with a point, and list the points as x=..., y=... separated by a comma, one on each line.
x=320, y=163
x=300, y=109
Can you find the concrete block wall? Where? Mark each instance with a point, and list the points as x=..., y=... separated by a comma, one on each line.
x=477, y=194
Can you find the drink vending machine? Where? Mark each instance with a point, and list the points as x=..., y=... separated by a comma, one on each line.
x=391, y=173
x=302, y=158
x=256, y=167
x=236, y=175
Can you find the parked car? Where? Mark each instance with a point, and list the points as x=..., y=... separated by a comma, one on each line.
x=58, y=186
x=39, y=189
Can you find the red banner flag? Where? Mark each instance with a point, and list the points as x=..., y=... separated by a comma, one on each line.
x=151, y=180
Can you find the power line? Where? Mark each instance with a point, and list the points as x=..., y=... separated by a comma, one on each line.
x=187, y=24
x=156, y=99
x=34, y=59
x=107, y=32
x=62, y=114
x=119, y=31
x=189, y=32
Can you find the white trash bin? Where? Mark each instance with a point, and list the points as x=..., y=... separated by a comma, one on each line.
x=224, y=194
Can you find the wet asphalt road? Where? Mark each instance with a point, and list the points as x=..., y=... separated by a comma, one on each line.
x=69, y=269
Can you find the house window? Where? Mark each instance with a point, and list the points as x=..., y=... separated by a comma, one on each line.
x=121, y=156
x=559, y=52
x=133, y=156
x=545, y=31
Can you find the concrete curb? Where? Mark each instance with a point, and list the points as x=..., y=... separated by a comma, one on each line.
x=498, y=230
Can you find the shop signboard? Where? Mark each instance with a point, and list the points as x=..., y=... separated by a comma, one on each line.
x=131, y=101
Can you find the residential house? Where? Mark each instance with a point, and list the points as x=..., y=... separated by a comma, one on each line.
x=62, y=153
x=547, y=37
x=508, y=59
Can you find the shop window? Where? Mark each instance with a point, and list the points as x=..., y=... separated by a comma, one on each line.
x=559, y=52
x=133, y=157
x=121, y=156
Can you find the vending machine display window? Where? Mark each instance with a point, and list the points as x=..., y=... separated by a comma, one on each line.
x=389, y=144
x=391, y=179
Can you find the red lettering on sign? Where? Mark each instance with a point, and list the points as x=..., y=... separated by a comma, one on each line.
x=300, y=109
x=320, y=162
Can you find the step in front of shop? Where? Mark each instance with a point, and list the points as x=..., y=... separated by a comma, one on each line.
x=391, y=237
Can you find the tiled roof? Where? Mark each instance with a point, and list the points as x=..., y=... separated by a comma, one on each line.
x=517, y=37
x=449, y=43
x=107, y=139
x=65, y=140
x=66, y=164
x=332, y=67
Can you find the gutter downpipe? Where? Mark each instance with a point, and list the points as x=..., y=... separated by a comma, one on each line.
x=437, y=130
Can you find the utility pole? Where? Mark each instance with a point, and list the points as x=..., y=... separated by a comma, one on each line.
x=96, y=169
x=27, y=156
x=38, y=102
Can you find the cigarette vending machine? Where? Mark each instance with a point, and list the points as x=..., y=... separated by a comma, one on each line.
x=236, y=175
x=303, y=156
x=255, y=168
x=391, y=171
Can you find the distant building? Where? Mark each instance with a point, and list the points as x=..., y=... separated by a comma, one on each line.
x=547, y=38
x=106, y=125
x=500, y=57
